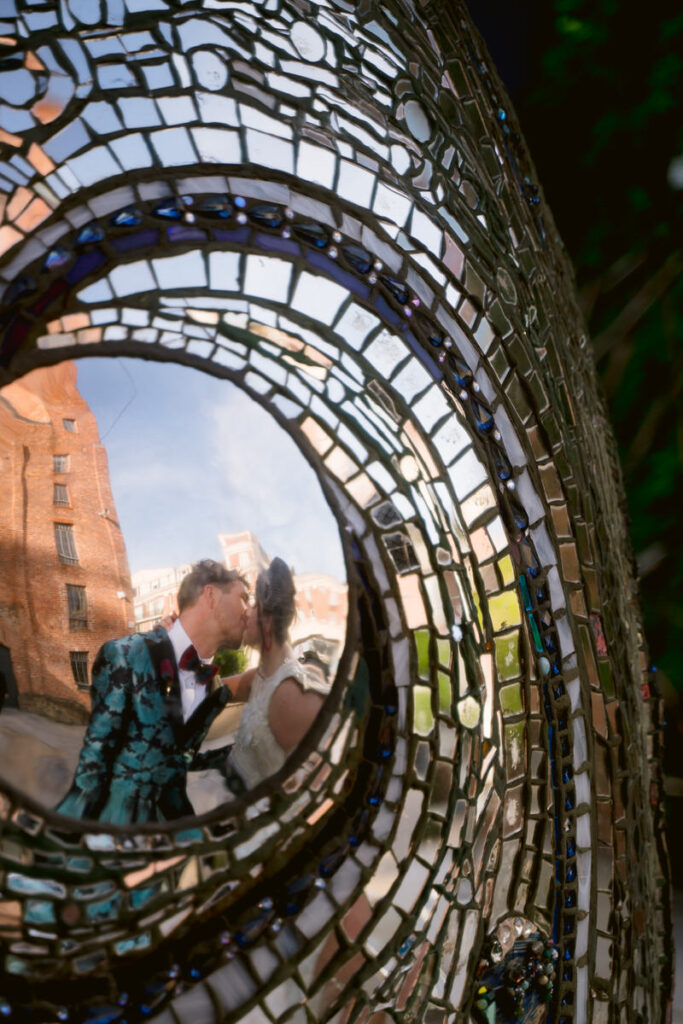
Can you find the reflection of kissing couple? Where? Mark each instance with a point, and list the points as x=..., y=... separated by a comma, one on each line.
x=154, y=697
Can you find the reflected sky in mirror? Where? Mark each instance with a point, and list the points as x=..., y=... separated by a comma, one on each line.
x=178, y=439
x=119, y=474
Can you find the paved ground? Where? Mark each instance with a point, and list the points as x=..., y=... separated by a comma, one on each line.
x=39, y=757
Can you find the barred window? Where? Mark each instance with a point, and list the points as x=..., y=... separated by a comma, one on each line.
x=60, y=463
x=60, y=495
x=79, y=667
x=78, y=606
x=70, y=425
x=66, y=545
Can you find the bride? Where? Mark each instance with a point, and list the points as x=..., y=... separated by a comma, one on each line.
x=282, y=696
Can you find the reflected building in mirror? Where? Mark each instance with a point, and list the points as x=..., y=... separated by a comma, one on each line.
x=320, y=624
x=243, y=552
x=155, y=594
x=65, y=585
x=321, y=599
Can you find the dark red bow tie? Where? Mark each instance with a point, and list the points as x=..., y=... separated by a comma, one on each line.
x=191, y=662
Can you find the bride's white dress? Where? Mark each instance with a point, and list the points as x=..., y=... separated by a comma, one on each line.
x=256, y=754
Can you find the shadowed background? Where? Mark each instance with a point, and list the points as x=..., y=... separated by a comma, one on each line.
x=597, y=88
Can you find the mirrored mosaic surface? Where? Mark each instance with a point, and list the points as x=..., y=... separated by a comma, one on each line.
x=329, y=206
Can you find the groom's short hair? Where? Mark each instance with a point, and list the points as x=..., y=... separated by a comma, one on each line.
x=202, y=573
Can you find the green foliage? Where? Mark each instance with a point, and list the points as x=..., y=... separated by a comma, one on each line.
x=671, y=28
x=230, y=663
x=607, y=92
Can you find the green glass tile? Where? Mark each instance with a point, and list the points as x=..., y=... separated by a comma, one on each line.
x=507, y=656
x=443, y=648
x=511, y=699
x=423, y=718
x=504, y=610
x=422, y=646
x=445, y=693
x=526, y=596
x=515, y=756
x=469, y=712
x=538, y=643
x=606, y=680
x=506, y=570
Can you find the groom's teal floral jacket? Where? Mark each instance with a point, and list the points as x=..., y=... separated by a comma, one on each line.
x=137, y=749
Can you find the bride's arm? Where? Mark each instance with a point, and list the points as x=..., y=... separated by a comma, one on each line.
x=292, y=712
x=240, y=685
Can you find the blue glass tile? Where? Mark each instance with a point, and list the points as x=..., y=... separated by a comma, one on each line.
x=239, y=236
x=185, y=233
x=358, y=258
x=267, y=215
x=332, y=269
x=385, y=312
x=169, y=209
x=396, y=288
x=463, y=374
x=526, y=596
x=56, y=258
x=520, y=517
x=23, y=285
x=91, y=232
x=127, y=218
x=103, y=1014
x=500, y=461
x=215, y=206
x=278, y=244
x=482, y=416
x=314, y=234
x=139, y=240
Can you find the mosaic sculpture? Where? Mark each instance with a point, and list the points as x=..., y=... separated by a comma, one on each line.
x=329, y=205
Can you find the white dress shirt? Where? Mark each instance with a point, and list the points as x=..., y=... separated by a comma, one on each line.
x=192, y=693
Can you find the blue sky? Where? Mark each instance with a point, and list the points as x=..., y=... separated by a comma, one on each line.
x=191, y=456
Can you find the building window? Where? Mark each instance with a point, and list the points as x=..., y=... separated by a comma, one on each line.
x=78, y=606
x=60, y=463
x=70, y=425
x=66, y=546
x=79, y=667
x=60, y=495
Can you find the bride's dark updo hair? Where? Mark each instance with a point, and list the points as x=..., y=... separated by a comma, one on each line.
x=275, y=597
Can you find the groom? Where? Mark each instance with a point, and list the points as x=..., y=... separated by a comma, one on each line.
x=153, y=700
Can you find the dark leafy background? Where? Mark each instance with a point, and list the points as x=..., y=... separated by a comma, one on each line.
x=597, y=87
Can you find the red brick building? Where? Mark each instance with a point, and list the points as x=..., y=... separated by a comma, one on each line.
x=65, y=584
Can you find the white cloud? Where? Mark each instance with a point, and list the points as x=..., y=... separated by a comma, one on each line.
x=191, y=456
x=275, y=492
